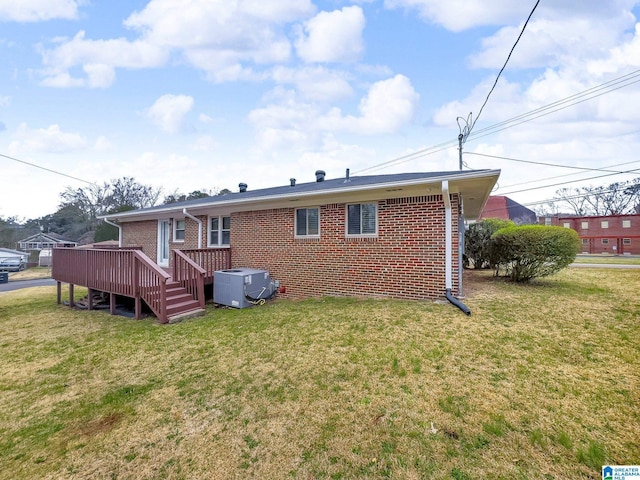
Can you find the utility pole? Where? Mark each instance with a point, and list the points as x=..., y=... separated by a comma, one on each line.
x=460, y=137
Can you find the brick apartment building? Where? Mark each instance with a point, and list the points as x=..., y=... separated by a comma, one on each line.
x=612, y=234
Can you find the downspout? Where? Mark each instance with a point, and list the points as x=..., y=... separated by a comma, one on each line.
x=447, y=250
x=187, y=214
x=119, y=227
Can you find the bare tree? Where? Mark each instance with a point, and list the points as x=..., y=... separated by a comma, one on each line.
x=615, y=199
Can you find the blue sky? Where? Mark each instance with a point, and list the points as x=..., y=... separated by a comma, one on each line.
x=205, y=94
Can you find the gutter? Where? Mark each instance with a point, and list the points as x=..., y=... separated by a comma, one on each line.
x=448, y=254
x=187, y=214
x=349, y=188
x=119, y=227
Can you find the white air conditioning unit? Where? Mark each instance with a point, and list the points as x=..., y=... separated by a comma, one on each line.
x=242, y=287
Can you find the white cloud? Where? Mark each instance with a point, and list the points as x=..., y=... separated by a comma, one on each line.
x=38, y=10
x=314, y=83
x=291, y=124
x=98, y=59
x=458, y=15
x=204, y=118
x=389, y=105
x=168, y=112
x=51, y=140
x=103, y=144
x=205, y=143
x=5, y=100
x=332, y=36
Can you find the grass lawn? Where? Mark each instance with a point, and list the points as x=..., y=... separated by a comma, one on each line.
x=32, y=273
x=541, y=382
x=608, y=259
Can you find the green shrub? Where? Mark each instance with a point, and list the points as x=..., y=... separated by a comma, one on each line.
x=477, y=241
x=532, y=251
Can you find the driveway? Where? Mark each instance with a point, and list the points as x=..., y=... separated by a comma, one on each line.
x=18, y=284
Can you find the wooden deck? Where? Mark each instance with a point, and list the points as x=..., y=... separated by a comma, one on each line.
x=129, y=272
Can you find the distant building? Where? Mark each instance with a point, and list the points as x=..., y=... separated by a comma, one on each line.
x=502, y=207
x=45, y=240
x=613, y=234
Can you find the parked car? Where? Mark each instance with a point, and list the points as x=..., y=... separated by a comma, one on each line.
x=12, y=264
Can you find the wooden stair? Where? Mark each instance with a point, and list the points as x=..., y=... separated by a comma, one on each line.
x=180, y=303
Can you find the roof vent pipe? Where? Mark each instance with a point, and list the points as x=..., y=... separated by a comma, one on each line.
x=242, y=187
x=320, y=175
x=293, y=182
x=346, y=176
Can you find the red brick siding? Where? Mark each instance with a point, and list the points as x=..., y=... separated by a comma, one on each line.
x=594, y=234
x=406, y=260
x=143, y=234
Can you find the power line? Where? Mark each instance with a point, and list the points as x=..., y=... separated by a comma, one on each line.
x=502, y=69
x=572, y=100
x=572, y=181
x=562, y=176
x=46, y=169
x=544, y=163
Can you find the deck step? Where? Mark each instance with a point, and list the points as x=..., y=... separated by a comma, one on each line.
x=183, y=306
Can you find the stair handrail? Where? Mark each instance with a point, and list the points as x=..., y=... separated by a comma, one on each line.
x=146, y=274
x=189, y=274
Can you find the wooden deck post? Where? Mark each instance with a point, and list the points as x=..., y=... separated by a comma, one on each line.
x=112, y=303
x=59, y=292
x=71, y=301
x=90, y=300
x=138, y=307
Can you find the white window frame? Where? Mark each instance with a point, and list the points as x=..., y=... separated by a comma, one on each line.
x=585, y=225
x=604, y=224
x=626, y=241
x=626, y=223
x=567, y=225
x=295, y=224
x=585, y=241
x=360, y=235
x=176, y=230
x=547, y=221
x=604, y=241
x=220, y=231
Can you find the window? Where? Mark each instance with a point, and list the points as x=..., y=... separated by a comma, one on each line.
x=626, y=223
x=547, y=221
x=307, y=222
x=604, y=224
x=362, y=219
x=219, y=231
x=605, y=241
x=567, y=225
x=585, y=241
x=178, y=230
x=585, y=225
x=626, y=241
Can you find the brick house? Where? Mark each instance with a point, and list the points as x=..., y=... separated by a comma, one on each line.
x=612, y=234
x=396, y=236
x=504, y=208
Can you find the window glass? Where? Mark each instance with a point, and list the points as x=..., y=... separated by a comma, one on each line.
x=567, y=225
x=361, y=219
x=626, y=241
x=626, y=223
x=307, y=221
x=219, y=231
x=585, y=225
x=604, y=224
x=179, y=231
x=605, y=241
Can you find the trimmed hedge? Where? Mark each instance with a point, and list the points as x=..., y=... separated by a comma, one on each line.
x=477, y=242
x=531, y=251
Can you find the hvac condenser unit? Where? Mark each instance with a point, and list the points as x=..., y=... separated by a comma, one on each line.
x=239, y=287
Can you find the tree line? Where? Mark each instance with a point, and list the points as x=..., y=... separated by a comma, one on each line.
x=77, y=215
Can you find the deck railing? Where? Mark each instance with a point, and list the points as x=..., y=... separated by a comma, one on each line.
x=189, y=274
x=121, y=272
x=210, y=259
